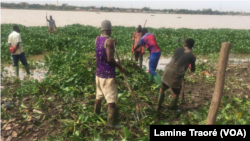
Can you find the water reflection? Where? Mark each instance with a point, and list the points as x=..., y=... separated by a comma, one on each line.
x=36, y=73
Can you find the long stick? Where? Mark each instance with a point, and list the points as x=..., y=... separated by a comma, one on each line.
x=126, y=81
x=141, y=49
x=184, y=36
x=183, y=82
x=145, y=24
x=47, y=22
x=219, y=85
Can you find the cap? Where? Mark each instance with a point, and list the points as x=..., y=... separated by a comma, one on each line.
x=106, y=25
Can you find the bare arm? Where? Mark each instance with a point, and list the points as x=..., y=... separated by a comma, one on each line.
x=17, y=45
x=133, y=40
x=137, y=46
x=193, y=67
x=110, y=54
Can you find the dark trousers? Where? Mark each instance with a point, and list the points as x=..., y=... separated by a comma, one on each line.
x=137, y=56
x=20, y=57
x=176, y=91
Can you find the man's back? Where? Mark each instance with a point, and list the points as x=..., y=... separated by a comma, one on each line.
x=104, y=69
x=177, y=67
x=181, y=60
x=150, y=42
x=13, y=39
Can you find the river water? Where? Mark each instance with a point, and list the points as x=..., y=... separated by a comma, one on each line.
x=62, y=18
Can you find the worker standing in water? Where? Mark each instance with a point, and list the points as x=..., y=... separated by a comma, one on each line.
x=52, y=25
x=14, y=40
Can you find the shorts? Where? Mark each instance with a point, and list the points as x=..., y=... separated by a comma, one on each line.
x=106, y=88
x=175, y=90
x=52, y=28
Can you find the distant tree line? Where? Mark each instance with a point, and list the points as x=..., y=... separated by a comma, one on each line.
x=36, y=6
x=116, y=9
x=204, y=11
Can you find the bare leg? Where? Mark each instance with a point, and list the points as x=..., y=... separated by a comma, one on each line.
x=97, y=108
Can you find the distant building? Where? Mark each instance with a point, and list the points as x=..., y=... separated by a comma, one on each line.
x=24, y=3
x=78, y=9
x=209, y=9
x=64, y=4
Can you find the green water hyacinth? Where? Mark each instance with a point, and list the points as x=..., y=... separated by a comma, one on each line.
x=36, y=40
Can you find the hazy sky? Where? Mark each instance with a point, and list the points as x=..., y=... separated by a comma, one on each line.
x=224, y=5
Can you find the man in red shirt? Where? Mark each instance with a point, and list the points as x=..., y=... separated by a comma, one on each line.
x=155, y=53
x=140, y=51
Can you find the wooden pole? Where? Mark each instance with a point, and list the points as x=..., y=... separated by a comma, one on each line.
x=183, y=77
x=126, y=81
x=184, y=40
x=219, y=85
x=145, y=24
x=47, y=21
x=141, y=49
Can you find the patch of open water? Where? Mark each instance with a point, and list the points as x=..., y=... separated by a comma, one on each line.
x=40, y=73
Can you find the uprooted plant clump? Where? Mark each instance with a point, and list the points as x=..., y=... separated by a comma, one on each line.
x=61, y=106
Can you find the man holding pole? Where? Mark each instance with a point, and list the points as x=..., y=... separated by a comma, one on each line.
x=175, y=71
x=149, y=40
x=140, y=51
x=106, y=83
x=52, y=25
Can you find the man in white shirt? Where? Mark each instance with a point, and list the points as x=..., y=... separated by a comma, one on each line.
x=14, y=39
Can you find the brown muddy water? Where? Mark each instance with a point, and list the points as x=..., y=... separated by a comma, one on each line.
x=40, y=73
x=62, y=18
x=36, y=73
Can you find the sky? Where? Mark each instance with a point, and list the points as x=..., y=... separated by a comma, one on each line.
x=220, y=5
